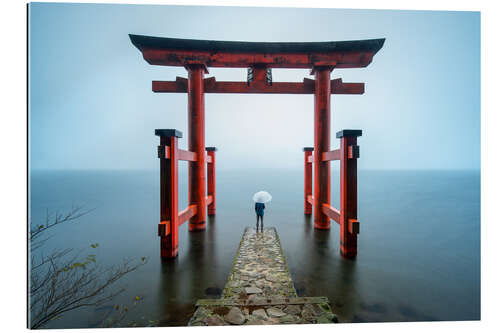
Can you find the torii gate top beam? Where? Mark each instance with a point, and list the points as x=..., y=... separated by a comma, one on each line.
x=182, y=52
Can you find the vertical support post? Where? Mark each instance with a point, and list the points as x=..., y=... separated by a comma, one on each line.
x=196, y=143
x=307, y=179
x=259, y=73
x=169, y=195
x=322, y=93
x=349, y=225
x=211, y=179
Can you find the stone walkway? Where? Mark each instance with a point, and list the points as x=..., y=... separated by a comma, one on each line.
x=260, y=291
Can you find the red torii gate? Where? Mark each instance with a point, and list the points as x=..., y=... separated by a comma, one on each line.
x=196, y=56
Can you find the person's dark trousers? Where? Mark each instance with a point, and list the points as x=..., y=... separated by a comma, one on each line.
x=261, y=223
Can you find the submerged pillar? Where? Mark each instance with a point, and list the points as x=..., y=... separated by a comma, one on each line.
x=168, y=228
x=307, y=179
x=349, y=225
x=322, y=92
x=211, y=179
x=196, y=144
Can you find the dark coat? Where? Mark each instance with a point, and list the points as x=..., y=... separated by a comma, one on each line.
x=259, y=208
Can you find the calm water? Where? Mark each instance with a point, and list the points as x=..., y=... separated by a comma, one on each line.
x=419, y=246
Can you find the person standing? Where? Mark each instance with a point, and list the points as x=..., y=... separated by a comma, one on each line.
x=259, y=210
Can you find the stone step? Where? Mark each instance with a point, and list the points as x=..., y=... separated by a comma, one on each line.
x=261, y=301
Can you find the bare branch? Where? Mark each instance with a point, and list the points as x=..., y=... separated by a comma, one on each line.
x=60, y=283
x=59, y=218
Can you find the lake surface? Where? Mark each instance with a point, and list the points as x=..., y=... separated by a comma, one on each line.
x=418, y=247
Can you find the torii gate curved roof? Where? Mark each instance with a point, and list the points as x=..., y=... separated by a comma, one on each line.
x=179, y=52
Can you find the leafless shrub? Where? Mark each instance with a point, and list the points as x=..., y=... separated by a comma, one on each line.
x=65, y=280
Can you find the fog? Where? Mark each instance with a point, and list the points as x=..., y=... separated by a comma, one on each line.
x=91, y=104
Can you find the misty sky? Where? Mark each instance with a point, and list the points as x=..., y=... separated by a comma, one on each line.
x=91, y=104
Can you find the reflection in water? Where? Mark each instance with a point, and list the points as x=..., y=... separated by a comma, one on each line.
x=171, y=313
x=403, y=272
x=347, y=300
x=182, y=279
x=323, y=263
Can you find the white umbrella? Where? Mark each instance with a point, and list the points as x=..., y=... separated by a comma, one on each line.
x=262, y=196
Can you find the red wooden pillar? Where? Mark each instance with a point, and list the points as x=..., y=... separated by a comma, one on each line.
x=349, y=225
x=307, y=179
x=211, y=179
x=196, y=144
x=168, y=229
x=322, y=92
